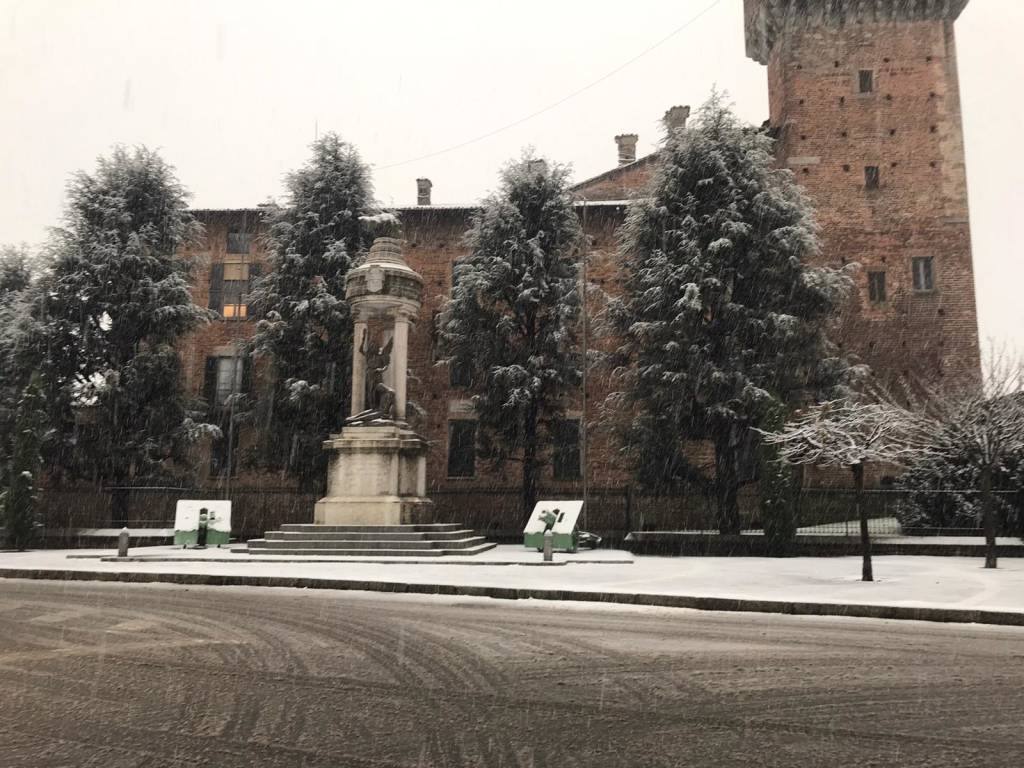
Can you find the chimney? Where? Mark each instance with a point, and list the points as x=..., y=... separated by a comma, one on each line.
x=423, y=191
x=627, y=147
x=675, y=118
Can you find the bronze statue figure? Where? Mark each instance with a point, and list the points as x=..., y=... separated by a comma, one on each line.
x=379, y=397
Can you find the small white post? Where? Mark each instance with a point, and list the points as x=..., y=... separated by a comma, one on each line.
x=549, y=546
x=122, y=542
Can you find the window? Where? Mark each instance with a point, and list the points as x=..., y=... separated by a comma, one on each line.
x=223, y=377
x=235, y=289
x=924, y=275
x=229, y=376
x=566, y=454
x=866, y=81
x=460, y=374
x=230, y=283
x=461, y=448
x=238, y=242
x=876, y=287
x=872, y=177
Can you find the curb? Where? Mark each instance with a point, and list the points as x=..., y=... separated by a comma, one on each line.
x=901, y=613
x=806, y=545
x=349, y=561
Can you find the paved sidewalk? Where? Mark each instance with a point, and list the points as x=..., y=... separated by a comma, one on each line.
x=929, y=588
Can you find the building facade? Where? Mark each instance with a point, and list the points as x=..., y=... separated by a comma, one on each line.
x=864, y=104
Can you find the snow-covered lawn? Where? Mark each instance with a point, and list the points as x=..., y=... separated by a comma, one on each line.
x=949, y=582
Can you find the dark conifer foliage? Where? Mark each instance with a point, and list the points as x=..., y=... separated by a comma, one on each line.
x=20, y=491
x=723, y=319
x=109, y=312
x=304, y=335
x=512, y=316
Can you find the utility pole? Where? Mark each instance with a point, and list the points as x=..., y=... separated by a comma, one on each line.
x=584, y=346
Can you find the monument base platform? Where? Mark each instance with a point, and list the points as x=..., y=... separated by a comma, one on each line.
x=372, y=510
x=377, y=475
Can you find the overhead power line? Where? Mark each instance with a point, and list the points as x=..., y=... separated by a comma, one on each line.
x=561, y=101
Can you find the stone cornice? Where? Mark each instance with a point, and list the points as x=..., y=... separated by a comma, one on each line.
x=766, y=20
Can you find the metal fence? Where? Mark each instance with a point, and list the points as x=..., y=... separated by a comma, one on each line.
x=611, y=512
x=253, y=510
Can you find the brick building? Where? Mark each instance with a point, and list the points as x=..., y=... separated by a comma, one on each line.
x=865, y=102
x=865, y=107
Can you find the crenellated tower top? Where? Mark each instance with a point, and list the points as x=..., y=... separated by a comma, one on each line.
x=765, y=20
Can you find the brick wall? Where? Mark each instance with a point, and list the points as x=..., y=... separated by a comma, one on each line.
x=620, y=183
x=220, y=336
x=909, y=127
x=433, y=243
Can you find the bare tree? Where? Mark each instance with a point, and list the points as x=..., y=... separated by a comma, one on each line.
x=980, y=423
x=847, y=433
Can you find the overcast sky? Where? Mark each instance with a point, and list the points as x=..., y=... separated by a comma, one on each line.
x=233, y=92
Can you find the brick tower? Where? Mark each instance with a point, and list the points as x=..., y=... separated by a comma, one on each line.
x=865, y=105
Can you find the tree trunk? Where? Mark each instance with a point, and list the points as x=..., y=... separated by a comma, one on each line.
x=726, y=487
x=988, y=517
x=530, y=461
x=862, y=514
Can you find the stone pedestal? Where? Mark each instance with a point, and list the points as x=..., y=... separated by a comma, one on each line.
x=377, y=476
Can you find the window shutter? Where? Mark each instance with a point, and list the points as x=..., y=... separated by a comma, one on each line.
x=216, y=302
x=255, y=271
x=566, y=450
x=461, y=448
x=210, y=382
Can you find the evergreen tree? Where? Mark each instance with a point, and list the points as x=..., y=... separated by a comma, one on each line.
x=15, y=270
x=110, y=311
x=15, y=283
x=512, y=313
x=305, y=330
x=19, y=500
x=722, y=318
x=15, y=279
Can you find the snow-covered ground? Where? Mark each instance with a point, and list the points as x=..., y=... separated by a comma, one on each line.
x=947, y=582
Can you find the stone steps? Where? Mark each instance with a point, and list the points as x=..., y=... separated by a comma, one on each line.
x=475, y=550
x=370, y=540
x=419, y=536
x=297, y=543
x=420, y=528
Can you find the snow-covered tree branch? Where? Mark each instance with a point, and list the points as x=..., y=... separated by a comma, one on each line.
x=851, y=433
x=977, y=426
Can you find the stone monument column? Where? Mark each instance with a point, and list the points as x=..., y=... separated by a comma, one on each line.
x=377, y=470
x=399, y=363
